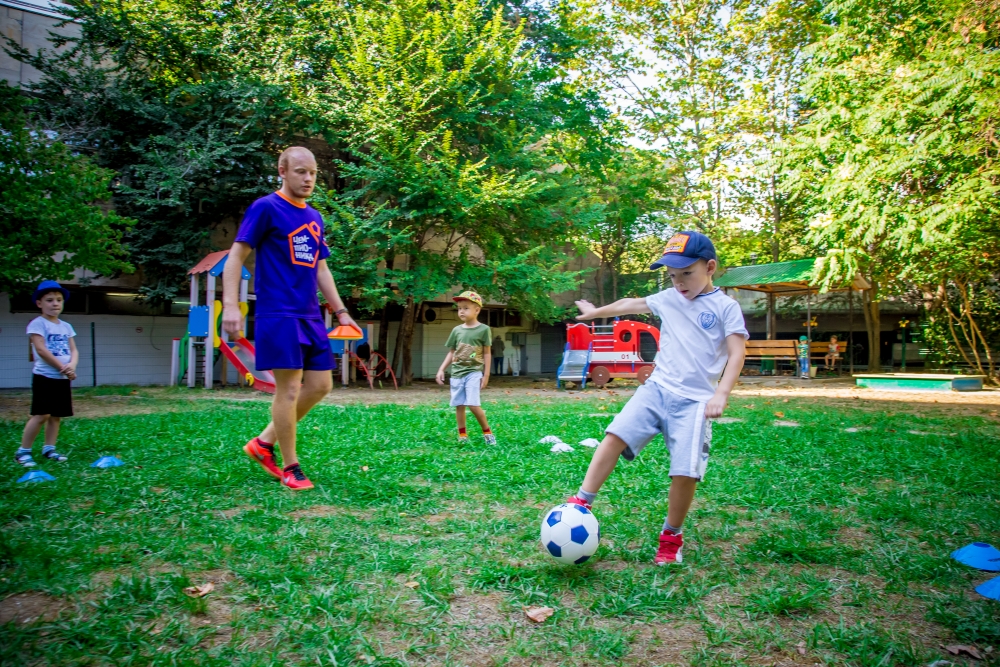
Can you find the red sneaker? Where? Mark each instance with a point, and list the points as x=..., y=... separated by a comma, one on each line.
x=264, y=455
x=670, y=549
x=296, y=480
x=576, y=500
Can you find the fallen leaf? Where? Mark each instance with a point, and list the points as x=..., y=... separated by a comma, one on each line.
x=779, y=415
x=411, y=584
x=199, y=591
x=958, y=649
x=801, y=648
x=785, y=400
x=539, y=614
x=751, y=406
x=364, y=468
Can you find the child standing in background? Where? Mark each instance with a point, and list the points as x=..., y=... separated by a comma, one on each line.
x=56, y=358
x=469, y=359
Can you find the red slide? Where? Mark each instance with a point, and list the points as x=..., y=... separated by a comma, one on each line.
x=243, y=356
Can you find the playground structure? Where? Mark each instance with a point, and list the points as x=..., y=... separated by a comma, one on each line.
x=344, y=342
x=205, y=342
x=602, y=352
x=920, y=381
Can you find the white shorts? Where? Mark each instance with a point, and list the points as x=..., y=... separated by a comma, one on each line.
x=654, y=410
x=465, y=390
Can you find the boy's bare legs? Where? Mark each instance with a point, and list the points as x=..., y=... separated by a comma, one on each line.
x=680, y=498
x=603, y=462
x=33, y=428
x=52, y=431
x=295, y=394
x=460, y=418
x=480, y=416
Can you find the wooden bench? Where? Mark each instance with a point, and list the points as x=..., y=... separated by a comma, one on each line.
x=784, y=350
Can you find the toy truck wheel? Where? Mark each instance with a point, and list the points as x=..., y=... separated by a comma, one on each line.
x=600, y=376
x=644, y=374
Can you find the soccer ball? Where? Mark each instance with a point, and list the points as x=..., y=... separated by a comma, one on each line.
x=570, y=533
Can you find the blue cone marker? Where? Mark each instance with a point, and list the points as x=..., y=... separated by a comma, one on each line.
x=979, y=555
x=990, y=589
x=107, y=462
x=36, y=476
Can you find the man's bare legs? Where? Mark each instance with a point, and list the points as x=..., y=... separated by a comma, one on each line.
x=295, y=394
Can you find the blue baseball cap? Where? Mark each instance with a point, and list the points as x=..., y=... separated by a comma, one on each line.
x=49, y=286
x=684, y=249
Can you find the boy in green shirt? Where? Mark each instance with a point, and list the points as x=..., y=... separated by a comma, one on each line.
x=469, y=358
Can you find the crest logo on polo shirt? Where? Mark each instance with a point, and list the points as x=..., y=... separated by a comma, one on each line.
x=707, y=320
x=303, y=244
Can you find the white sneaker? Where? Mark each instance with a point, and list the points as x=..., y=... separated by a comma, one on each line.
x=24, y=460
x=490, y=439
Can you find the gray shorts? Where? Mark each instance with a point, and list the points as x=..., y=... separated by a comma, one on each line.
x=654, y=410
x=465, y=390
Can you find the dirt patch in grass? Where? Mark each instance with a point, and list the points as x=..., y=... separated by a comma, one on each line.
x=321, y=511
x=29, y=607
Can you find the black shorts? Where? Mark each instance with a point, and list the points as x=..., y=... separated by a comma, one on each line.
x=51, y=397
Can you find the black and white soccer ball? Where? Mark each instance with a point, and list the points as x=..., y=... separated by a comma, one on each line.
x=570, y=533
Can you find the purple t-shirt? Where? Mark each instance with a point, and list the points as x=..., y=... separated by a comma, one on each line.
x=289, y=242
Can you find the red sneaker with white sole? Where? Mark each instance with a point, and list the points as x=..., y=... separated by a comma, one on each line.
x=576, y=500
x=296, y=480
x=670, y=549
x=264, y=455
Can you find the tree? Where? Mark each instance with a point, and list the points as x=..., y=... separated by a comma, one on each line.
x=899, y=158
x=436, y=105
x=51, y=216
x=191, y=126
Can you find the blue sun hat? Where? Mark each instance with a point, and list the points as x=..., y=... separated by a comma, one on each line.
x=49, y=286
x=979, y=555
x=990, y=589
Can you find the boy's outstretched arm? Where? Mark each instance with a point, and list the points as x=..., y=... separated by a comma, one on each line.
x=736, y=345
x=616, y=309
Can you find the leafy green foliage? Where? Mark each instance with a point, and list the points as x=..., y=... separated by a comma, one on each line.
x=51, y=215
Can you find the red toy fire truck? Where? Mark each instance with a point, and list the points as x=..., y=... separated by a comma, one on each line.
x=600, y=352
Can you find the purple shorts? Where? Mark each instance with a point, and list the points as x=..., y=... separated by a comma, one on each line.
x=292, y=343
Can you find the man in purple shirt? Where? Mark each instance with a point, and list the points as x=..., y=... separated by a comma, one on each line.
x=290, y=334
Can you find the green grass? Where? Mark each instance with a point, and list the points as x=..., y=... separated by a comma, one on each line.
x=807, y=539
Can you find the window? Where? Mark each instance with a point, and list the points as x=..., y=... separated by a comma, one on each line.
x=647, y=346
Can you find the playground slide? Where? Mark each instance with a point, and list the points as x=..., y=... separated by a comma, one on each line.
x=243, y=356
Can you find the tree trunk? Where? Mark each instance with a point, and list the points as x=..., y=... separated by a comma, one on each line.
x=406, y=336
x=600, y=284
x=383, y=326
x=614, y=283
x=775, y=220
x=873, y=323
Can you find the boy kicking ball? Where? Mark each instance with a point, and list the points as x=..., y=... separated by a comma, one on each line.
x=702, y=339
x=469, y=358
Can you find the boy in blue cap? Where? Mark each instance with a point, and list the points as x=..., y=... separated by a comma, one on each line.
x=702, y=346
x=55, y=368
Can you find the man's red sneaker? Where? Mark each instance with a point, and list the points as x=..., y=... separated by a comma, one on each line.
x=670, y=549
x=577, y=500
x=264, y=455
x=296, y=480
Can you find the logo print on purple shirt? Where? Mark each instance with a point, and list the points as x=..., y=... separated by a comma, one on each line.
x=303, y=244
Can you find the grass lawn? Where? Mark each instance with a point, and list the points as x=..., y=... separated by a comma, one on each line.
x=807, y=545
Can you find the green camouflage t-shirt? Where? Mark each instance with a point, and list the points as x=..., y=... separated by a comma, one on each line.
x=468, y=344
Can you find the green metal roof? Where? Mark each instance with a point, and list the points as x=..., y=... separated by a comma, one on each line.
x=775, y=277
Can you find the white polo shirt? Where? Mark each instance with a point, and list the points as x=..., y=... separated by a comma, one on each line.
x=693, y=352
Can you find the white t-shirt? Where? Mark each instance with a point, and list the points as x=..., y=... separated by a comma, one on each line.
x=56, y=336
x=693, y=333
